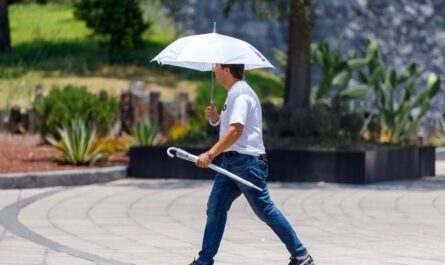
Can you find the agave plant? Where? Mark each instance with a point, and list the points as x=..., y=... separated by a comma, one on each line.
x=398, y=119
x=77, y=144
x=145, y=134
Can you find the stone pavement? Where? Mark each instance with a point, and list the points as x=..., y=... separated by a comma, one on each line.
x=161, y=222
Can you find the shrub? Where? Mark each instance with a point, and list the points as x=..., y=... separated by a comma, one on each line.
x=118, y=24
x=62, y=106
x=202, y=101
x=77, y=144
x=178, y=131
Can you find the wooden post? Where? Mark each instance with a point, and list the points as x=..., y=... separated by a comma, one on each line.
x=169, y=116
x=182, y=107
x=126, y=111
x=154, y=108
x=140, y=102
x=103, y=95
x=31, y=121
x=38, y=92
x=3, y=120
x=15, y=119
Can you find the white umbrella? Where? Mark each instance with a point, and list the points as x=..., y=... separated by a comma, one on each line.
x=202, y=52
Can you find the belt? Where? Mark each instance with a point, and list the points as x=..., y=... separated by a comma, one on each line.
x=233, y=154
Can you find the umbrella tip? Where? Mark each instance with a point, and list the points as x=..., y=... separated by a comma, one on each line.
x=214, y=27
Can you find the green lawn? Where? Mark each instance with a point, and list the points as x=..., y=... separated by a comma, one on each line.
x=51, y=23
x=51, y=47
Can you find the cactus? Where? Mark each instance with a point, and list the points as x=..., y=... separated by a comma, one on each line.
x=337, y=73
x=396, y=118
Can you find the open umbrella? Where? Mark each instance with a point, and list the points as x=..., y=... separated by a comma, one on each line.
x=202, y=52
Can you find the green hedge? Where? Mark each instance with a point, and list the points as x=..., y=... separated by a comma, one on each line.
x=62, y=106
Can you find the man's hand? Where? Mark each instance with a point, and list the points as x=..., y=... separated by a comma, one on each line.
x=204, y=160
x=211, y=113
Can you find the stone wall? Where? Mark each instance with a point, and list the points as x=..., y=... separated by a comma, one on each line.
x=407, y=30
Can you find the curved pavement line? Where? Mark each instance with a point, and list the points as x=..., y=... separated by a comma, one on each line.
x=9, y=220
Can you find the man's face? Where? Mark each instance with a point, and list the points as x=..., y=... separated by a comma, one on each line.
x=220, y=73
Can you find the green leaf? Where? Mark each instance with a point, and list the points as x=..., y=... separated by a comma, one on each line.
x=407, y=73
x=420, y=99
x=355, y=92
x=341, y=80
x=372, y=50
x=338, y=49
x=393, y=78
x=433, y=84
x=357, y=63
x=323, y=89
x=376, y=76
x=363, y=77
x=340, y=67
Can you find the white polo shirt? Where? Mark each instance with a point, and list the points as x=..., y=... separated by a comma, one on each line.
x=243, y=106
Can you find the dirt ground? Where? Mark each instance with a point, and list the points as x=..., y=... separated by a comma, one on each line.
x=27, y=153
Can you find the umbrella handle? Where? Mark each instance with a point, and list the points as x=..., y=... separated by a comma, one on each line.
x=169, y=150
x=181, y=154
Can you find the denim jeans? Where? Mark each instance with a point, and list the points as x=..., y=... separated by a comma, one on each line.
x=226, y=190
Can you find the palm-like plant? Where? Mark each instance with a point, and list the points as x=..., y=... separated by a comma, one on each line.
x=145, y=134
x=77, y=144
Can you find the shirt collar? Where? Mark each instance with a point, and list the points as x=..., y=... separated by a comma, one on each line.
x=236, y=86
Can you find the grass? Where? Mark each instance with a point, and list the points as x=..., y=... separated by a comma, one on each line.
x=50, y=22
x=51, y=47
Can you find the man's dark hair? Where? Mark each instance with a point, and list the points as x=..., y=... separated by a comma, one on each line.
x=237, y=70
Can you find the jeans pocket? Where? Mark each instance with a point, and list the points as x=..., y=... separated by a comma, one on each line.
x=258, y=168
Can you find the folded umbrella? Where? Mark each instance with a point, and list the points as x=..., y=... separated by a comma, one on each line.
x=187, y=156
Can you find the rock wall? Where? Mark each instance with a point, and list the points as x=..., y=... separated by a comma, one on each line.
x=407, y=30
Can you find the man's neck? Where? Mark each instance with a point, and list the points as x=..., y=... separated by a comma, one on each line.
x=230, y=83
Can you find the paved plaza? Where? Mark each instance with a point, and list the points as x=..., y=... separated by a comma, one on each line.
x=155, y=222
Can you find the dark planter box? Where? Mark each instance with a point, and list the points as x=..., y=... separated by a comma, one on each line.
x=357, y=167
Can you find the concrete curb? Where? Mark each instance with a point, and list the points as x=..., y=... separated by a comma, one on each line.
x=61, y=178
x=440, y=153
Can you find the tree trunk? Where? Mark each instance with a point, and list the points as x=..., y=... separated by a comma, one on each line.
x=297, y=88
x=5, y=39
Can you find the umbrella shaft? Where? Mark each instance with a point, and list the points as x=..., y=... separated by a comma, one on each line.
x=211, y=91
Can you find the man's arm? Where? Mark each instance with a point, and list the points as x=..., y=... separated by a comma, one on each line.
x=232, y=134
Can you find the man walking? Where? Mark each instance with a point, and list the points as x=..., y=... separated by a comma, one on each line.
x=243, y=153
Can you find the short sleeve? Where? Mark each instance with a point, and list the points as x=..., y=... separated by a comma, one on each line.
x=240, y=109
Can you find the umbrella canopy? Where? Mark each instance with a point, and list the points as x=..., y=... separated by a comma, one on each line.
x=201, y=52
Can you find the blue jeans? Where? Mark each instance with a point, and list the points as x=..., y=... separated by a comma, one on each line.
x=226, y=190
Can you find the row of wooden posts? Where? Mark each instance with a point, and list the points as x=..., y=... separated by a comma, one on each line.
x=137, y=105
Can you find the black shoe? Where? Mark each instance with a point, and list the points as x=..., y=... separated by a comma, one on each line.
x=306, y=261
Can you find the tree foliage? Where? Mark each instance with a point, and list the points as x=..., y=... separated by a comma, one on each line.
x=118, y=24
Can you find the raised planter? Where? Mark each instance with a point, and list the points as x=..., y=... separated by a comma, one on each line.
x=358, y=167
